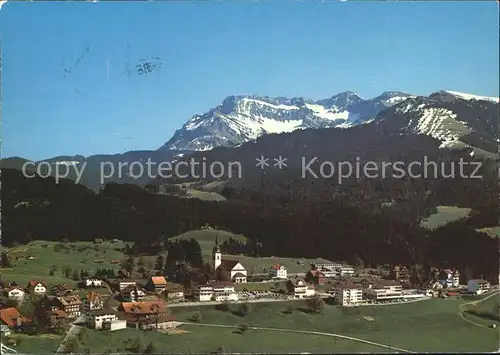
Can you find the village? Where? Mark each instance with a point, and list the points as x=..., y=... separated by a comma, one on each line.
x=126, y=301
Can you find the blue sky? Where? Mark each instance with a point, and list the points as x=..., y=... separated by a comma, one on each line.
x=210, y=50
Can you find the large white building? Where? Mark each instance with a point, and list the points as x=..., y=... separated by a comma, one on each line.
x=278, y=272
x=334, y=270
x=216, y=291
x=478, y=286
x=96, y=318
x=228, y=270
x=384, y=290
x=347, y=294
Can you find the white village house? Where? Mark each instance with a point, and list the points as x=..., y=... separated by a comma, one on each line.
x=228, y=270
x=278, y=272
x=96, y=318
x=298, y=288
x=36, y=287
x=15, y=293
x=216, y=291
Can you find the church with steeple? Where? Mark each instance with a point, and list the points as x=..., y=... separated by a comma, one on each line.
x=226, y=269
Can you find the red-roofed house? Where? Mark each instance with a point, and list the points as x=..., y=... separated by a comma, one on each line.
x=156, y=283
x=146, y=315
x=93, y=301
x=228, y=270
x=278, y=272
x=316, y=277
x=36, y=287
x=12, y=318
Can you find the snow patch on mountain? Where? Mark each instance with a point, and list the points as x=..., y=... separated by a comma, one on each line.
x=471, y=96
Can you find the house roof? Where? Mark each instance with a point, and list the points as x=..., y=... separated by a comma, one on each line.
x=8, y=289
x=295, y=282
x=316, y=273
x=58, y=313
x=228, y=264
x=101, y=312
x=158, y=280
x=69, y=300
x=10, y=315
x=128, y=289
x=93, y=296
x=33, y=283
x=146, y=307
x=239, y=274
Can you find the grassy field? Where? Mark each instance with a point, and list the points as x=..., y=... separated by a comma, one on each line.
x=78, y=255
x=206, y=238
x=493, y=232
x=426, y=326
x=37, y=344
x=444, y=215
x=205, y=195
x=205, y=340
x=484, y=312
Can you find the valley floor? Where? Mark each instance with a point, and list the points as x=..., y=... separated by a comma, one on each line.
x=431, y=326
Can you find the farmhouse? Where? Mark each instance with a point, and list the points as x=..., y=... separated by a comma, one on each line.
x=71, y=305
x=93, y=301
x=278, y=272
x=146, y=315
x=478, y=286
x=61, y=290
x=126, y=283
x=315, y=277
x=132, y=293
x=12, y=318
x=174, y=293
x=93, y=282
x=15, y=293
x=298, y=288
x=228, y=270
x=348, y=294
x=156, y=284
x=36, y=287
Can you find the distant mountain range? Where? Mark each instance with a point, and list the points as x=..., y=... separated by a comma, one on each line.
x=453, y=119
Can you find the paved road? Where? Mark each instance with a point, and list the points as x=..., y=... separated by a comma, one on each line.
x=308, y=332
x=6, y=350
x=72, y=332
x=207, y=303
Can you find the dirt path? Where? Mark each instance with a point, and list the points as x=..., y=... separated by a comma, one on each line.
x=308, y=332
x=463, y=305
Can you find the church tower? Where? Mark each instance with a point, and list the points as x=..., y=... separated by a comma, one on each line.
x=217, y=255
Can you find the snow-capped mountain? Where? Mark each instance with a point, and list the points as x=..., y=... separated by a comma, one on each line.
x=456, y=119
x=240, y=119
